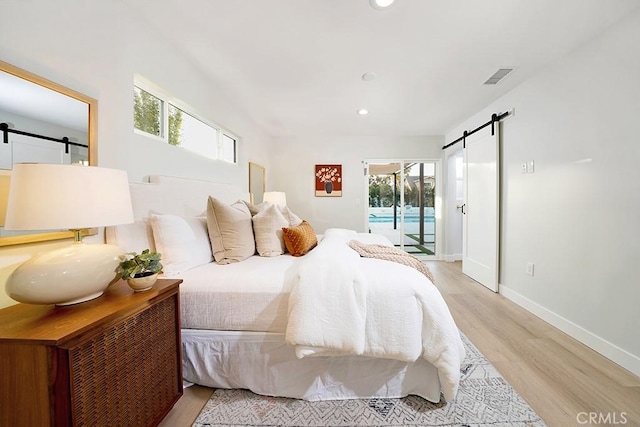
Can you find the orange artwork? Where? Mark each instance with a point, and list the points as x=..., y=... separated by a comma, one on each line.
x=328, y=180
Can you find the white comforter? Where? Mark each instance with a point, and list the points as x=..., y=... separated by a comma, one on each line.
x=341, y=304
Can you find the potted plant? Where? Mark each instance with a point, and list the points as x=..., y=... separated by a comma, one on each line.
x=140, y=270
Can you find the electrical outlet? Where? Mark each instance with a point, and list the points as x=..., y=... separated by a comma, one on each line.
x=530, y=266
x=530, y=166
x=523, y=167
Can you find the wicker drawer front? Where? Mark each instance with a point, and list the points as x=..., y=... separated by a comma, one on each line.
x=127, y=374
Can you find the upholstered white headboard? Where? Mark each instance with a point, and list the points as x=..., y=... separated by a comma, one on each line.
x=167, y=195
x=179, y=196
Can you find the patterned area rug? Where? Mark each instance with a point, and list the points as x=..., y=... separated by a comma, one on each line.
x=484, y=399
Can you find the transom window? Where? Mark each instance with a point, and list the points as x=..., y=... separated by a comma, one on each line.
x=157, y=115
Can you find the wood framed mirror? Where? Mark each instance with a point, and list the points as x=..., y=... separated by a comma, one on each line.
x=257, y=182
x=41, y=122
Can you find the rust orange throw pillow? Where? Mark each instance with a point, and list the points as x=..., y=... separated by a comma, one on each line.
x=299, y=239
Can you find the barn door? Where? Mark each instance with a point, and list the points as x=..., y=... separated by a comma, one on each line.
x=480, y=224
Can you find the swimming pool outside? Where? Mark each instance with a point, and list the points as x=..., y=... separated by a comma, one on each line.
x=407, y=218
x=381, y=222
x=411, y=214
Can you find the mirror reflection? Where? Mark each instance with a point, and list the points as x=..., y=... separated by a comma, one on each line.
x=41, y=122
x=256, y=182
x=40, y=125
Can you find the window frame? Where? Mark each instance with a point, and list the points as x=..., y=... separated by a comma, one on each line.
x=160, y=137
x=149, y=87
x=229, y=135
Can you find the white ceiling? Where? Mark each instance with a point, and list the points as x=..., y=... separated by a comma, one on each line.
x=295, y=66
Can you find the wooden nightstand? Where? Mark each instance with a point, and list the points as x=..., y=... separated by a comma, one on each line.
x=112, y=361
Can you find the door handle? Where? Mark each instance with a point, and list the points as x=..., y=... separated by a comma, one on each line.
x=461, y=207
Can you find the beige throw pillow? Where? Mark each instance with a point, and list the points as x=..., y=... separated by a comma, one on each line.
x=254, y=209
x=267, y=227
x=293, y=219
x=230, y=231
x=284, y=210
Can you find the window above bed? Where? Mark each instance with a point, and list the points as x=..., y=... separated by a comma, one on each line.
x=161, y=117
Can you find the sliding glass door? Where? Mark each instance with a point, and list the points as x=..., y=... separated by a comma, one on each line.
x=402, y=203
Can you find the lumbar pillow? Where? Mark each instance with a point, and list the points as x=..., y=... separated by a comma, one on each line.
x=267, y=227
x=182, y=242
x=230, y=231
x=299, y=239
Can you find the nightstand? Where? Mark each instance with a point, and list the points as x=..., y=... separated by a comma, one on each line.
x=112, y=361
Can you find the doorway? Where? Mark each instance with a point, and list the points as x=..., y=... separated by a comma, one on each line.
x=403, y=202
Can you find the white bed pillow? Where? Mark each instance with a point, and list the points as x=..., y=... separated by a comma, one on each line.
x=267, y=228
x=230, y=231
x=182, y=241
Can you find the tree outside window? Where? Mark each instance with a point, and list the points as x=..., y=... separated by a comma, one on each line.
x=147, y=112
x=154, y=114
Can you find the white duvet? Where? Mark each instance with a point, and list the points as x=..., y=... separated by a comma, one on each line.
x=341, y=304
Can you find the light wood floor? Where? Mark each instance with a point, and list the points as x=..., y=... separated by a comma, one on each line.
x=563, y=380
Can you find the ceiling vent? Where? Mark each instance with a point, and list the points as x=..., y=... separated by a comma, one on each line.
x=498, y=75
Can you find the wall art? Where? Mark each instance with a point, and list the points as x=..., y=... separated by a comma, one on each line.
x=328, y=180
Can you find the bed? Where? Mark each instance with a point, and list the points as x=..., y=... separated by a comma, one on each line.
x=314, y=327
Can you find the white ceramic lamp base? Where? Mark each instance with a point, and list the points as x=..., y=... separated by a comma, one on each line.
x=70, y=275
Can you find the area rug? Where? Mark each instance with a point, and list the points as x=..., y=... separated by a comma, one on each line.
x=484, y=399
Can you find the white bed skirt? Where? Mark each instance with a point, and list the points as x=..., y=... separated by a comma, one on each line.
x=264, y=364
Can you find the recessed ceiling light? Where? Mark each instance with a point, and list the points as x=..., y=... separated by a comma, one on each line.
x=380, y=4
x=367, y=77
x=363, y=111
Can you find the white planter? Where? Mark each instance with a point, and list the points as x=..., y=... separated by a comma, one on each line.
x=139, y=284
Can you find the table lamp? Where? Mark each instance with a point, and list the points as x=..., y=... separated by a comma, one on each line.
x=276, y=197
x=54, y=197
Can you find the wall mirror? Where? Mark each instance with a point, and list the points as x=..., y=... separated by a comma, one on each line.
x=256, y=182
x=41, y=122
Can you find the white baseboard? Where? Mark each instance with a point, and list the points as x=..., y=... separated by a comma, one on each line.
x=452, y=257
x=611, y=351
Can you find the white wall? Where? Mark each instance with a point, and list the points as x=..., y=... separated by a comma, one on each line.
x=95, y=48
x=576, y=216
x=293, y=172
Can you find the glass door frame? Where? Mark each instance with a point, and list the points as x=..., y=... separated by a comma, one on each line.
x=437, y=202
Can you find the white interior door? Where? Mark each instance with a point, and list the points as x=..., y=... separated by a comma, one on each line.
x=480, y=224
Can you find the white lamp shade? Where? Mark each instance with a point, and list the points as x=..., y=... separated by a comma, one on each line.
x=275, y=197
x=54, y=197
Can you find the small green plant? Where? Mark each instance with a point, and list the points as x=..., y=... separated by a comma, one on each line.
x=139, y=265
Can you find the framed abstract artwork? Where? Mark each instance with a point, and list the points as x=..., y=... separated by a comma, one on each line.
x=328, y=180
